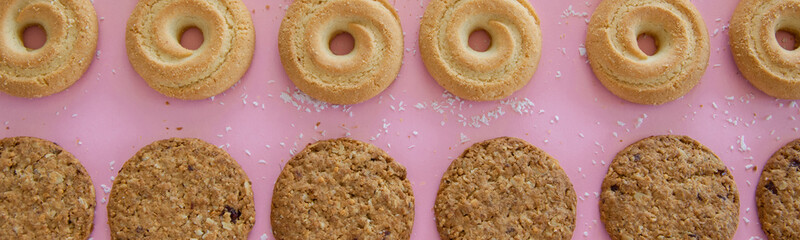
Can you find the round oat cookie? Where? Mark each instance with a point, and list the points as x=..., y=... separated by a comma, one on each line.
x=669, y=187
x=181, y=189
x=342, y=189
x=505, y=188
x=778, y=194
x=45, y=193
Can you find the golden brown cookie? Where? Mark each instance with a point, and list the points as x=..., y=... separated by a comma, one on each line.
x=669, y=187
x=504, y=68
x=768, y=66
x=372, y=65
x=624, y=69
x=71, y=28
x=181, y=188
x=45, y=193
x=342, y=189
x=778, y=194
x=153, y=41
x=505, y=188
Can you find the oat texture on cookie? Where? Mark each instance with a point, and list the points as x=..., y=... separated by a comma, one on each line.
x=71, y=28
x=181, y=189
x=669, y=187
x=505, y=67
x=153, y=43
x=304, y=44
x=342, y=189
x=778, y=194
x=505, y=188
x=769, y=67
x=45, y=193
x=680, y=59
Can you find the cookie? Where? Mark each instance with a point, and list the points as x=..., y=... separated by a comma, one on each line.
x=45, y=193
x=682, y=49
x=505, y=188
x=669, y=187
x=181, y=188
x=304, y=43
x=71, y=27
x=154, y=50
x=505, y=67
x=342, y=189
x=778, y=194
x=762, y=61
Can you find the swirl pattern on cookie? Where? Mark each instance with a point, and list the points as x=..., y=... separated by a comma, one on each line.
x=624, y=69
x=71, y=28
x=769, y=67
x=153, y=41
x=505, y=67
x=372, y=65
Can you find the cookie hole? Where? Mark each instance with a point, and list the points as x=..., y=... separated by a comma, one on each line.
x=34, y=37
x=786, y=40
x=647, y=44
x=480, y=40
x=342, y=43
x=191, y=38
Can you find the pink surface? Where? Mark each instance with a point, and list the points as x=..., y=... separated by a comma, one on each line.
x=110, y=113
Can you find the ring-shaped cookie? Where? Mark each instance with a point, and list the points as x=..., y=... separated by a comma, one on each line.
x=372, y=65
x=769, y=67
x=154, y=50
x=71, y=28
x=625, y=70
x=505, y=67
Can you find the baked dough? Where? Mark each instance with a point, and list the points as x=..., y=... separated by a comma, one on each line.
x=778, y=194
x=769, y=67
x=622, y=67
x=45, y=193
x=504, y=68
x=371, y=66
x=181, y=188
x=71, y=27
x=153, y=41
x=669, y=187
x=342, y=189
x=505, y=188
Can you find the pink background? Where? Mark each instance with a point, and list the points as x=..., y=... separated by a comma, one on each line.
x=110, y=113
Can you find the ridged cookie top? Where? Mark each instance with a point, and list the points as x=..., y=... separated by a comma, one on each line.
x=342, y=189
x=505, y=188
x=778, y=194
x=154, y=50
x=618, y=62
x=45, y=193
x=760, y=58
x=371, y=66
x=181, y=189
x=669, y=187
x=71, y=27
x=504, y=68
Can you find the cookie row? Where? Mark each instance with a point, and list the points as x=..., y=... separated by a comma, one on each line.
x=155, y=26
x=659, y=187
